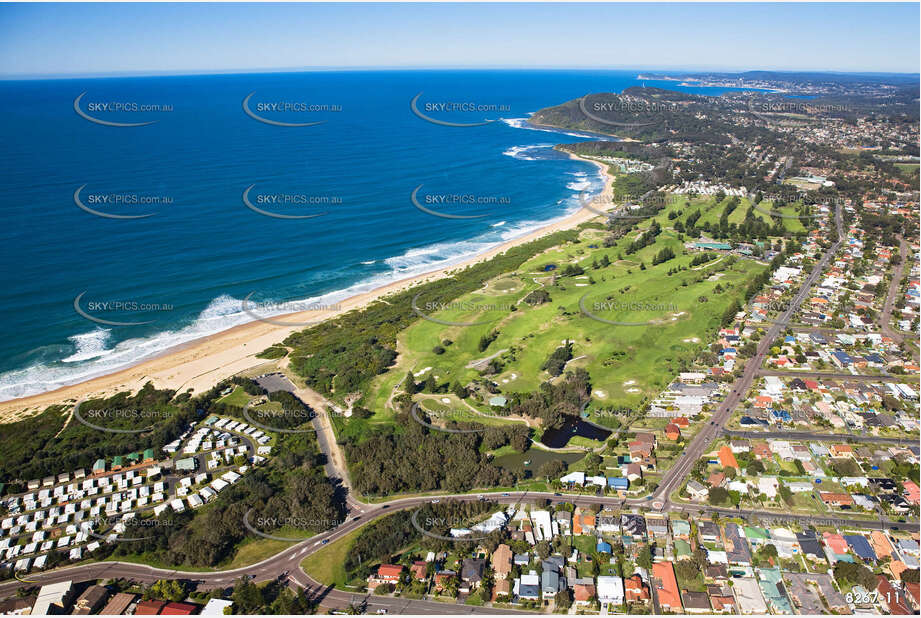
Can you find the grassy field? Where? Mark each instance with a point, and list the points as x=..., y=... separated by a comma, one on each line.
x=628, y=364
x=327, y=565
x=238, y=397
x=256, y=550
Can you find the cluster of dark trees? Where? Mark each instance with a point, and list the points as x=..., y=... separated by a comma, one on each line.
x=537, y=297
x=703, y=258
x=646, y=238
x=274, y=598
x=32, y=447
x=554, y=404
x=883, y=228
x=664, y=255
x=415, y=457
x=381, y=540
x=557, y=360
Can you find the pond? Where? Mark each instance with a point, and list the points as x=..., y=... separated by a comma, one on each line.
x=533, y=459
x=558, y=438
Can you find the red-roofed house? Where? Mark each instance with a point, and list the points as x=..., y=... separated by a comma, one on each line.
x=149, y=608
x=419, y=569
x=583, y=593
x=912, y=492
x=667, y=587
x=727, y=459
x=913, y=593
x=635, y=589
x=841, y=450
x=178, y=609
x=386, y=574
x=835, y=542
x=889, y=598
x=583, y=523
x=762, y=450
x=672, y=431
x=836, y=499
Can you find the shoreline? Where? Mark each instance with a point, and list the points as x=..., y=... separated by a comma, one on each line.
x=203, y=362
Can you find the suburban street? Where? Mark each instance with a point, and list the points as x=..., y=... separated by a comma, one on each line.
x=824, y=437
x=823, y=375
x=285, y=565
x=698, y=445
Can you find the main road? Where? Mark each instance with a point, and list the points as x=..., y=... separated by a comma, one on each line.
x=696, y=448
x=285, y=565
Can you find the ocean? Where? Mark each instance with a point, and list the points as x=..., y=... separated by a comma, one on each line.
x=123, y=241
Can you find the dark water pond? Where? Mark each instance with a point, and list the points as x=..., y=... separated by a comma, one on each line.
x=558, y=438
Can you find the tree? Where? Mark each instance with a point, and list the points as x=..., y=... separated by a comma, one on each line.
x=644, y=558
x=409, y=384
x=718, y=496
x=562, y=600
x=171, y=589
x=551, y=470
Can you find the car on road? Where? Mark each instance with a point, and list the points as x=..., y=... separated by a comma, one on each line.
x=506, y=495
x=436, y=501
x=381, y=611
x=325, y=541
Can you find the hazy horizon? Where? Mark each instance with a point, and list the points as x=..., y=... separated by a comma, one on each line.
x=90, y=40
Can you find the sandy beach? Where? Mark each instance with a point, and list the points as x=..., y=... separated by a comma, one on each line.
x=200, y=364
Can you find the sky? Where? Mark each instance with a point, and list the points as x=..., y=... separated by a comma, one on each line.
x=97, y=39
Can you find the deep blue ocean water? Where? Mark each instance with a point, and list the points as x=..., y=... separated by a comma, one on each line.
x=204, y=251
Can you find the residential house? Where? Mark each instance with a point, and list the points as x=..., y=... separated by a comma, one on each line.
x=502, y=561
x=386, y=574
x=635, y=589
x=666, y=586
x=610, y=590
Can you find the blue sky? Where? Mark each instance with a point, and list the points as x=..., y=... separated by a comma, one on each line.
x=89, y=39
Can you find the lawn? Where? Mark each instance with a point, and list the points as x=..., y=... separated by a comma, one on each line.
x=327, y=565
x=676, y=313
x=238, y=398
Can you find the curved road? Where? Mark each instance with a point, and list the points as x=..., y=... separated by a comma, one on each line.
x=286, y=564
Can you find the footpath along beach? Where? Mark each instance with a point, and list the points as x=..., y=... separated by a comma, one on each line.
x=200, y=364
